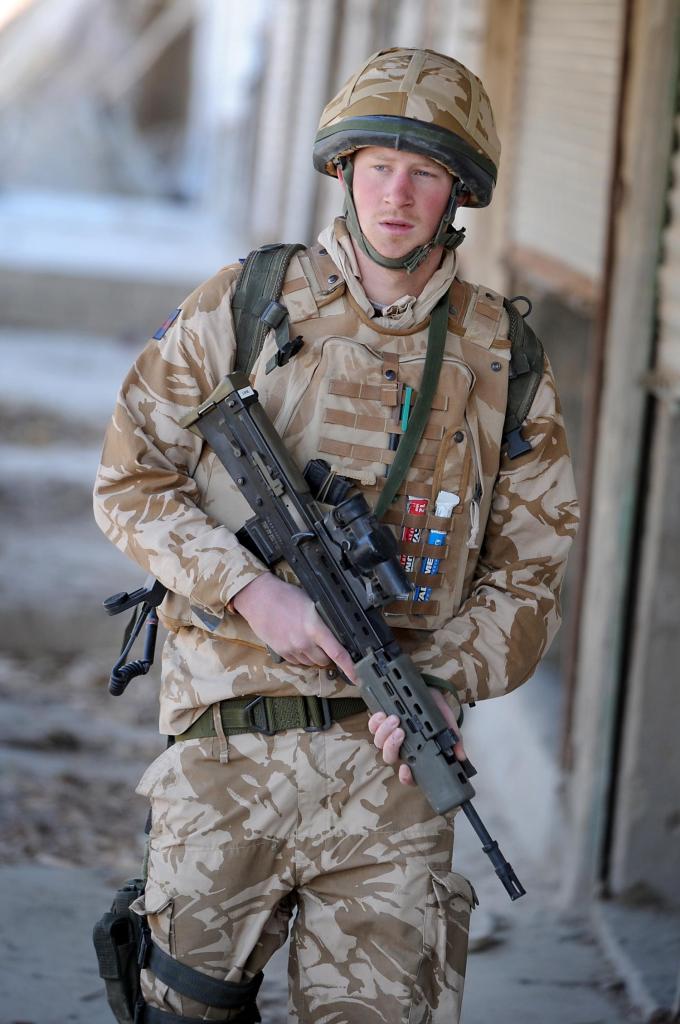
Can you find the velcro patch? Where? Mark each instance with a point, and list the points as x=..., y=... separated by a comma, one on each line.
x=162, y=330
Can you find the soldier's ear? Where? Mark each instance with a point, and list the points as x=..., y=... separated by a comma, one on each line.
x=464, y=198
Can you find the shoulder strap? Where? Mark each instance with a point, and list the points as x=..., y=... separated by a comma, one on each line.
x=526, y=370
x=256, y=308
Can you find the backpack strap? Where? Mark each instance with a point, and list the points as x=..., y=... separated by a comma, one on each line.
x=526, y=370
x=256, y=308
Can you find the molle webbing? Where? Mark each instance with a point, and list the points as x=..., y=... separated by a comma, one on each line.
x=367, y=453
x=373, y=392
x=255, y=305
x=375, y=424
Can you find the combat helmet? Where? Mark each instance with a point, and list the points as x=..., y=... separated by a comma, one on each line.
x=423, y=102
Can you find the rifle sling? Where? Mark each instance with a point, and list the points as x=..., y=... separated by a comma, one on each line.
x=408, y=445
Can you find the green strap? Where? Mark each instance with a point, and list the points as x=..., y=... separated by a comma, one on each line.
x=273, y=714
x=436, y=340
x=259, y=287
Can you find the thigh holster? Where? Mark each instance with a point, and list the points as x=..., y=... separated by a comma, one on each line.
x=124, y=948
x=118, y=937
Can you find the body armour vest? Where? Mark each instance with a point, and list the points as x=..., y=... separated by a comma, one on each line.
x=345, y=397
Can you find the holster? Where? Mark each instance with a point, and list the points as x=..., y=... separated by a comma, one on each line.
x=118, y=940
x=124, y=948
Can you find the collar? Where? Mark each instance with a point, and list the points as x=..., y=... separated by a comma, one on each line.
x=406, y=311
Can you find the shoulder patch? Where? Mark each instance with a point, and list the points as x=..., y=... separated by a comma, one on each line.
x=165, y=327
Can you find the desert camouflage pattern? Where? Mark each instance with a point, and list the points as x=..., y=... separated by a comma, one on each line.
x=483, y=620
x=251, y=829
x=423, y=85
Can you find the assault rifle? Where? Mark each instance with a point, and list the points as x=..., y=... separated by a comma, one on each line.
x=346, y=562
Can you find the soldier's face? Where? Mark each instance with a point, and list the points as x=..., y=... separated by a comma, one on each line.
x=400, y=198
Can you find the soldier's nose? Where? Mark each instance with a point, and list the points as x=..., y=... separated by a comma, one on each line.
x=400, y=191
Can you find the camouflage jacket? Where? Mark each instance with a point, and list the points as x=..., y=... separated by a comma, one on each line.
x=487, y=576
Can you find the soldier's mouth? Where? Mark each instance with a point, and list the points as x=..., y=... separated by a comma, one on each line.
x=396, y=227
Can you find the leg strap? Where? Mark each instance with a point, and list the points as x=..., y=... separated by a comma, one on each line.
x=152, y=1015
x=224, y=995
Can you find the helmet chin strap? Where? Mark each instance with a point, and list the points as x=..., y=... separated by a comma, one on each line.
x=445, y=234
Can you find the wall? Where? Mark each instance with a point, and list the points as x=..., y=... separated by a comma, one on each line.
x=645, y=847
x=617, y=586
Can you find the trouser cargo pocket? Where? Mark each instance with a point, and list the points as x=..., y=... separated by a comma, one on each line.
x=438, y=991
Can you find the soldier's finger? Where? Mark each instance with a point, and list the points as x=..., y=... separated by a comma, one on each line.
x=308, y=654
x=385, y=730
x=390, y=750
x=375, y=721
x=298, y=657
x=324, y=637
x=317, y=655
x=459, y=751
x=406, y=775
x=337, y=654
x=346, y=665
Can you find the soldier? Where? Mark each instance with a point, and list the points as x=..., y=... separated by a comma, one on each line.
x=311, y=823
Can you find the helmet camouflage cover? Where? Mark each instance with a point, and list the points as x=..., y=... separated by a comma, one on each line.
x=416, y=100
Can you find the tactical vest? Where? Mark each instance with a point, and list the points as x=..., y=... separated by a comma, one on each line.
x=342, y=397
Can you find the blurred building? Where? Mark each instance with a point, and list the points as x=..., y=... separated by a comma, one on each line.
x=125, y=134
x=208, y=110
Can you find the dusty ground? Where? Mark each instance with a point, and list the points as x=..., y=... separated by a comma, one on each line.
x=70, y=825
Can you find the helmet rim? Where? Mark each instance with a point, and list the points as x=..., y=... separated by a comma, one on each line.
x=477, y=172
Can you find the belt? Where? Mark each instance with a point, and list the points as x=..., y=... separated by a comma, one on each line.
x=269, y=715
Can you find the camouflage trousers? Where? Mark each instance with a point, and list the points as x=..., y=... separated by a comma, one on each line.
x=250, y=832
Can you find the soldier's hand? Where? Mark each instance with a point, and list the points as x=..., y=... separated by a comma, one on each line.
x=285, y=619
x=388, y=736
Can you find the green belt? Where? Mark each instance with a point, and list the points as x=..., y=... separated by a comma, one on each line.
x=274, y=714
